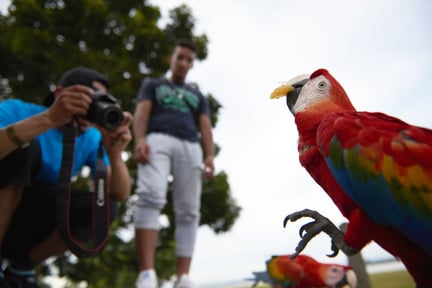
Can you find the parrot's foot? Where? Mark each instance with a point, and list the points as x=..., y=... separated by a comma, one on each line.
x=321, y=224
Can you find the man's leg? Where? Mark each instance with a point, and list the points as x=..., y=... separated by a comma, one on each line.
x=53, y=245
x=187, y=198
x=33, y=220
x=183, y=265
x=21, y=273
x=17, y=170
x=10, y=197
x=81, y=226
x=145, y=240
x=152, y=184
x=145, y=245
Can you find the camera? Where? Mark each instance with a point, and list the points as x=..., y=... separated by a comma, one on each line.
x=104, y=111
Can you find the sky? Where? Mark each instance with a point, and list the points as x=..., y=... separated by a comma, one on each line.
x=380, y=52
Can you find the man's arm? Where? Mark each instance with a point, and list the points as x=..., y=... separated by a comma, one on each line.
x=115, y=142
x=25, y=130
x=207, y=144
x=70, y=101
x=140, y=125
x=121, y=182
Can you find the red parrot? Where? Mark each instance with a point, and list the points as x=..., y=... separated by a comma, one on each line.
x=306, y=272
x=376, y=168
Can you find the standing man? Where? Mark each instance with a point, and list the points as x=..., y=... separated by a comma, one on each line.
x=31, y=145
x=171, y=119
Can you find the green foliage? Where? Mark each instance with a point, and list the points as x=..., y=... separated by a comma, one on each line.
x=182, y=26
x=214, y=109
x=220, y=218
x=40, y=39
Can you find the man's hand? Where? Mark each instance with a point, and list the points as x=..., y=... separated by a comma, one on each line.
x=116, y=141
x=70, y=101
x=209, y=168
x=142, y=151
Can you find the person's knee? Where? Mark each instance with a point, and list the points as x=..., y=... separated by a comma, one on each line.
x=185, y=217
x=151, y=200
x=147, y=218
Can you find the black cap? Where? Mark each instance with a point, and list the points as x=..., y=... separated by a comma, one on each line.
x=78, y=75
x=83, y=76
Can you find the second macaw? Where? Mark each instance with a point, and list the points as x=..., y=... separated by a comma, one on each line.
x=305, y=272
x=376, y=168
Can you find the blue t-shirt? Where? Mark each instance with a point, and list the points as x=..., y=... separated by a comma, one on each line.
x=51, y=141
x=175, y=109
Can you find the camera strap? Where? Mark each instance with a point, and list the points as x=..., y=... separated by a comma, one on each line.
x=100, y=214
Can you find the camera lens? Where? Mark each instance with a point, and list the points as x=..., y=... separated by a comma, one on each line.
x=104, y=111
x=113, y=117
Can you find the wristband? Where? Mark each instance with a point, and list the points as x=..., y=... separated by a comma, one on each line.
x=10, y=132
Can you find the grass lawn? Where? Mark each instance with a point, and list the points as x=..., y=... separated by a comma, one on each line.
x=393, y=279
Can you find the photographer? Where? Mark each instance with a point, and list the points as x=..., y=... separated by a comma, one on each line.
x=31, y=145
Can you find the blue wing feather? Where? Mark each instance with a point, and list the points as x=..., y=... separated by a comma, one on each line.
x=388, y=192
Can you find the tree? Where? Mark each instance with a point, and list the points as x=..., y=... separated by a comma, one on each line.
x=42, y=38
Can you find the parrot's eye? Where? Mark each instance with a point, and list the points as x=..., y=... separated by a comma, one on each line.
x=322, y=84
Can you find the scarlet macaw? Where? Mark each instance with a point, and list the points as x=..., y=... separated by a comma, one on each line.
x=305, y=272
x=376, y=168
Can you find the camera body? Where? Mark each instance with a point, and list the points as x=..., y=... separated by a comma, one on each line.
x=105, y=111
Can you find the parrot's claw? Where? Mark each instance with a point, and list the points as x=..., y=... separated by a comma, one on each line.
x=334, y=248
x=321, y=224
x=305, y=228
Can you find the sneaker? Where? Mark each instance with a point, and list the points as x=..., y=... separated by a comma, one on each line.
x=146, y=279
x=20, y=279
x=184, y=282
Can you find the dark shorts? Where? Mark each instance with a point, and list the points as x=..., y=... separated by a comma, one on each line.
x=21, y=166
x=35, y=217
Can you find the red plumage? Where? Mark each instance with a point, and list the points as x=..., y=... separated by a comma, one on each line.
x=306, y=272
x=330, y=129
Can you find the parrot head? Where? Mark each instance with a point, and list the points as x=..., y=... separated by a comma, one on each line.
x=305, y=92
x=340, y=277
